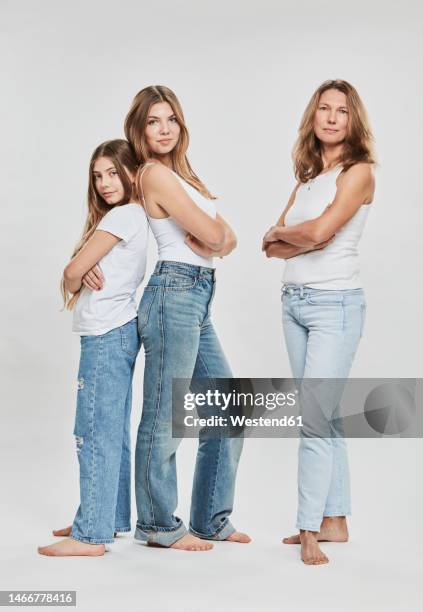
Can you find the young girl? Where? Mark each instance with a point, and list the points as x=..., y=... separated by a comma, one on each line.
x=323, y=299
x=175, y=325
x=115, y=237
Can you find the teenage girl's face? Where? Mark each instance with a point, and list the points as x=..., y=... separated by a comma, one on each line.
x=162, y=129
x=331, y=118
x=107, y=181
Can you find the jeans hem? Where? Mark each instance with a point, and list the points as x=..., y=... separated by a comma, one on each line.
x=91, y=540
x=123, y=529
x=221, y=534
x=337, y=512
x=163, y=538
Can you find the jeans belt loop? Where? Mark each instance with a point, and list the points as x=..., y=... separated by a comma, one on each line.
x=301, y=291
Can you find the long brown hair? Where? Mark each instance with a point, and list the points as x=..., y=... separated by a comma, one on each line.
x=122, y=156
x=358, y=143
x=135, y=124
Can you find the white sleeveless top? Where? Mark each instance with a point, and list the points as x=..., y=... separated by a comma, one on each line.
x=170, y=236
x=337, y=265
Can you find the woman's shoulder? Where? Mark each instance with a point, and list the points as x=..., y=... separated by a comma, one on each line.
x=361, y=173
x=360, y=170
x=154, y=171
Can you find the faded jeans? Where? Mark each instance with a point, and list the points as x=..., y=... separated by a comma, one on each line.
x=180, y=342
x=102, y=433
x=322, y=331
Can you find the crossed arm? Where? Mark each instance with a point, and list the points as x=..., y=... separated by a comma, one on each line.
x=355, y=187
x=83, y=266
x=206, y=236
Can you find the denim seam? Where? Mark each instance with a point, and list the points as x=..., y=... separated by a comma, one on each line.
x=124, y=343
x=92, y=428
x=157, y=529
x=92, y=540
x=122, y=529
x=213, y=382
x=210, y=301
x=211, y=536
x=160, y=308
x=182, y=289
x=144, y=323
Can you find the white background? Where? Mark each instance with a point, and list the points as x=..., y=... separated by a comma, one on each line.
x=243, y=72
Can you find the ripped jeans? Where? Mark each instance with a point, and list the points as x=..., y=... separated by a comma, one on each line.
x=102, y=433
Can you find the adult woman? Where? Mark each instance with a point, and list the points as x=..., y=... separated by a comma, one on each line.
x=323, y=301
x=176, y=329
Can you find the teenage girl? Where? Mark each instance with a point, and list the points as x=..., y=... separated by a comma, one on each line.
x=105, y=318
x=323, y=299
x=174, y=320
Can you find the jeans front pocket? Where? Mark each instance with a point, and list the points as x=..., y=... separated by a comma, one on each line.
x=180, y=282
x=145, y=306
x=326, y=298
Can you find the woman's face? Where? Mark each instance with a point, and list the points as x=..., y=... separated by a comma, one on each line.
x=331, y=118
x=107, y=181
x=162, y=129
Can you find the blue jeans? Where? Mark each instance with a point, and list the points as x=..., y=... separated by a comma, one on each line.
x=180, y=342
x=102, y=433
x=322, y=330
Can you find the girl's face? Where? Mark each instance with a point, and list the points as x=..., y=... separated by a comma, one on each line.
x=107, y=181
x=331, y=118
x=162, y=129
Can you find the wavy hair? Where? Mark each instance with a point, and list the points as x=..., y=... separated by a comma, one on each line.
x=135, y=124
x=122, y=156
x=358, y=143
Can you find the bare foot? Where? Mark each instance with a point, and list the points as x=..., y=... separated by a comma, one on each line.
x=237, y=536
x=72, y=548
x=332, y=529
x=310, y=549
x=191, y=542
x=66, y=531
x=63, y=533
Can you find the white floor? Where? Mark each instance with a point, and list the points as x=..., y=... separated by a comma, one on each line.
x=382, y=573
x=379, y=569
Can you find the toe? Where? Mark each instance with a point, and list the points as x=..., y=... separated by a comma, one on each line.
x=294, y=539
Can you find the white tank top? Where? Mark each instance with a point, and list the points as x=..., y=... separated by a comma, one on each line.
x=170, y=236
x=337, y=265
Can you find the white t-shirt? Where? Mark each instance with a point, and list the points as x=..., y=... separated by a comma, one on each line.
x=97, y=312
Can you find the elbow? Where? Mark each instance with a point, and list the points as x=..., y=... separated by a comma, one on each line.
x=71, y=279
x=216, y=240
x=69, y=274
x=233, y=242
x=316, y=235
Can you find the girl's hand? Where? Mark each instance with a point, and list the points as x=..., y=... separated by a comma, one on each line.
x=198, y=247
x=272, y=235
x=94, y=279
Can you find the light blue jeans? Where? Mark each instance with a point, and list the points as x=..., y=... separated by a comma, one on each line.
x=180, y=342
x=322, y=331
x=102, y=433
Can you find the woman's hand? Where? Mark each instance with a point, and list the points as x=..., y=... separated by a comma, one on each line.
x=272, y=235
x=94, y=279
x=284, y=250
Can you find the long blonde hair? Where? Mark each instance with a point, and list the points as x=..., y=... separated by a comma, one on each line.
x=135, y=124
x=122, y=156
x=358, y=143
